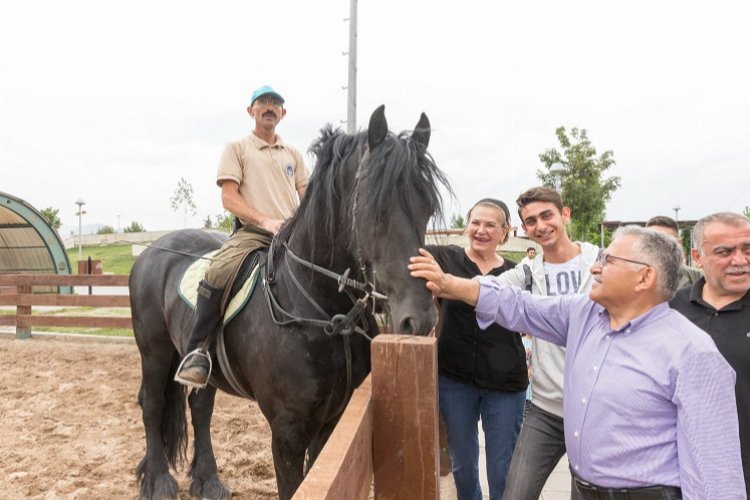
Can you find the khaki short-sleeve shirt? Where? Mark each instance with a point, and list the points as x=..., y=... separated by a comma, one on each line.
x=268, y=174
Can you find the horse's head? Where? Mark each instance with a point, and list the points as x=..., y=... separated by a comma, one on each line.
x=396, y=191
x=366, y=208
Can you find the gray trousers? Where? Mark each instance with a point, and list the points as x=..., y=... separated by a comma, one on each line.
x=539, y=448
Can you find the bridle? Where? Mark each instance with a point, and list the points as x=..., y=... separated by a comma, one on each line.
x=347, y=324
x=338, y=324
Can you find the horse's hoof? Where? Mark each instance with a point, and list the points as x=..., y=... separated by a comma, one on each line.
x=163, y=487
x=211, y=488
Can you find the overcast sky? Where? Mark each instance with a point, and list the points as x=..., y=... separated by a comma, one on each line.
x=114, y=102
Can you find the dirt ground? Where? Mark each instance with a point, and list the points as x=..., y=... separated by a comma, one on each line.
x=71, y=428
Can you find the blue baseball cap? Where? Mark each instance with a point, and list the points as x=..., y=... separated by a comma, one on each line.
x=265, y=90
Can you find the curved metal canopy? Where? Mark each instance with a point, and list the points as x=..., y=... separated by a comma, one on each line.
x=27, y=242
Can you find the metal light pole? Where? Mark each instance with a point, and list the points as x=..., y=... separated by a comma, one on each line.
x=351, y=100
x=676, y=212
x=557, y=170
x=80, y=213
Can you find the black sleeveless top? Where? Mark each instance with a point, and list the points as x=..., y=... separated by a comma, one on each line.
x=493, y=358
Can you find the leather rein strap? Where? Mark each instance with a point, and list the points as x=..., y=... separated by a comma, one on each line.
x=338, y=324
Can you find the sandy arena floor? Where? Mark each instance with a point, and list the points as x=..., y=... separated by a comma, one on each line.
x=71, y=428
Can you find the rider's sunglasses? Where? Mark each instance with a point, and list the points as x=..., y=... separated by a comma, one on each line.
x=270, y=101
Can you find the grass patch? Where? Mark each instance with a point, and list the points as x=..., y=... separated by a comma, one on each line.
x=102, y=332
x=116, y=259
x=514, y=256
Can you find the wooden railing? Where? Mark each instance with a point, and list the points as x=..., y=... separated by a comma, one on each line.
x=24, y=299
x=387, y=438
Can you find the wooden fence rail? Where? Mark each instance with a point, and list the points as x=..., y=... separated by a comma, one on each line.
x=387, y=440
x=388, y=435
x=24, y=299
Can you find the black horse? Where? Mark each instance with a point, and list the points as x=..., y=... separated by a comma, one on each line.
x=301, y=344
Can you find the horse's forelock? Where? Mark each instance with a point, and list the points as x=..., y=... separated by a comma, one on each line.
x=401, y=172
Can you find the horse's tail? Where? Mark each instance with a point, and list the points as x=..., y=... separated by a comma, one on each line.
x=173, y=422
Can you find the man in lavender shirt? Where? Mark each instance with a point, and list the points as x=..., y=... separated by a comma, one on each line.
x=649, y=404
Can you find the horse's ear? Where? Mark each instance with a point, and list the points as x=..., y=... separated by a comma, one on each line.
x=421, y=134
x=378, y=128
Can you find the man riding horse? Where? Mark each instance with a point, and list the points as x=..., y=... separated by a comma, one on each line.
x=262, y=181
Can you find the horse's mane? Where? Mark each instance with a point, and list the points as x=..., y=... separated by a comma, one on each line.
x=411, y=180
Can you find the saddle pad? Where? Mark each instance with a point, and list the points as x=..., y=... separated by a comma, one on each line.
x=188, y=286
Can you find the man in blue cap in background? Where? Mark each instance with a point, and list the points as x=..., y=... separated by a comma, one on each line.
x=262, y=181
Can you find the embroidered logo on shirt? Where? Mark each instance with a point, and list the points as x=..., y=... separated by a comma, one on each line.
x=290, y=170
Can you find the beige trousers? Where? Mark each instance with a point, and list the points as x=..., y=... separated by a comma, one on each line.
x=228, y=257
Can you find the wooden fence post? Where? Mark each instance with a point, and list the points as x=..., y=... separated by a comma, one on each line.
x=23, y=314
x=405, y=416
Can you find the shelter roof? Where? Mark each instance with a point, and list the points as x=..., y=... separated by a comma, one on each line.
x=28, y=244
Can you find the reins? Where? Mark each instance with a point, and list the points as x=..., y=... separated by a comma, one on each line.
x=170, y=250
x=342, y=279
x=338, y=324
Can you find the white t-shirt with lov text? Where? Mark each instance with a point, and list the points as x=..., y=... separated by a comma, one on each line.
x=565, y=278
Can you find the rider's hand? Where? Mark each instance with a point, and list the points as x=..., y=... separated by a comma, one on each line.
x=271, y=225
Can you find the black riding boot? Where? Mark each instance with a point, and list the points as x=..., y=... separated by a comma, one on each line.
x=195, y=368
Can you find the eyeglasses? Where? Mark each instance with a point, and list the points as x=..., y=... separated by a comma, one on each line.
x=270, y=101
x=605, y=258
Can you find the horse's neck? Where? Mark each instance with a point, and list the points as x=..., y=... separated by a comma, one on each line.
x=331, y=255
x=320, y=249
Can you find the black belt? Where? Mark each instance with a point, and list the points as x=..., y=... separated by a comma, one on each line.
x=592, y=492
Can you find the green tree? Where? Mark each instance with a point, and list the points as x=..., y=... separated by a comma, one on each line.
x=224, y=222
x=134, y=227
x=183, y=198
x=457, y=221
x=51, y=215
x=208, y=223
x=105, y=230
x=746, y=212
x=577, y=172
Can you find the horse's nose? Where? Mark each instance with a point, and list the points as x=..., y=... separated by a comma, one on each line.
x=408, y=326
x=413, y=325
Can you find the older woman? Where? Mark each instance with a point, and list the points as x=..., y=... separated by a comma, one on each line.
x=482, y=373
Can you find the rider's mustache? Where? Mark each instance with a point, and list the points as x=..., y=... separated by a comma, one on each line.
x=269, y=112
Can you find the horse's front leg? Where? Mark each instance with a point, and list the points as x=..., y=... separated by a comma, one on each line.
x=318, y=442
x=289, y=442
x=203, y=471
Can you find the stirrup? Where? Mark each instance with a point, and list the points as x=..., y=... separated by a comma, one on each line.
x=190, y=383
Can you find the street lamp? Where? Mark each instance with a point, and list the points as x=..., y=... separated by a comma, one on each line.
x=676, y=211
x=80, y=213
x=557, y=170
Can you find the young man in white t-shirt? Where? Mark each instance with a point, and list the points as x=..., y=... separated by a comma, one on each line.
x=562, y=268
x=530, y=255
